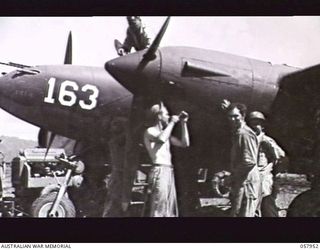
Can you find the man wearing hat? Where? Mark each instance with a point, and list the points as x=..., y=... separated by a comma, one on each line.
x=269, y=156
x=136, y=37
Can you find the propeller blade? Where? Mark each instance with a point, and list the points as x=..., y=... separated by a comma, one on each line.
x=42, y=138
x=67, y=60
x=151, y=52
x=68, y=55
x=51, y=139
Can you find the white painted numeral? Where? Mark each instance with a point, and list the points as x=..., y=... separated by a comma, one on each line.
x=67, y=96
x=49, y=98
x=92, y=98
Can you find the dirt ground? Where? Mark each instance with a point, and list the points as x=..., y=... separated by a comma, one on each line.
x=290, y=185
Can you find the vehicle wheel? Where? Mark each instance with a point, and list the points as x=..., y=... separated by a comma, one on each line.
x=306, y=204
x=221, y=184
x=42, y=205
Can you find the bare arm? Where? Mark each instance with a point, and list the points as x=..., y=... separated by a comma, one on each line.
x=185, y=139
x=163, y=136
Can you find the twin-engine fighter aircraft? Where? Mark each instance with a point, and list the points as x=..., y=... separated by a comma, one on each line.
x=80, y=102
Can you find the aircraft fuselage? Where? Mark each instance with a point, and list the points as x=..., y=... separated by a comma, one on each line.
x=201, y=77
x=74, y=101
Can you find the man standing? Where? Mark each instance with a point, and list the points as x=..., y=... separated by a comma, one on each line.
x=112, y=206
x=244, y=171
x=162, y=198
x=269, y=155
x=136, y=37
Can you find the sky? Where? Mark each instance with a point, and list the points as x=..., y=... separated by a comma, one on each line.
x=42, y=40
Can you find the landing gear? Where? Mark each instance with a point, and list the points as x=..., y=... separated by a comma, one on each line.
x=42, y=206
x=221, y=184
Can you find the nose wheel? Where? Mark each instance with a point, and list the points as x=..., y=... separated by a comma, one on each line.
x=42, y=205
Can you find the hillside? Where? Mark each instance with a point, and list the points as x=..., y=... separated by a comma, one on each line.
x=10, y=146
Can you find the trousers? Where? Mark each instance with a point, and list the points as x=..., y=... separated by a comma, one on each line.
x=245, y=195
x=161, y=194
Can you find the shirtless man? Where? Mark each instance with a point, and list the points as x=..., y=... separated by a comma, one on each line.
x=162, y=198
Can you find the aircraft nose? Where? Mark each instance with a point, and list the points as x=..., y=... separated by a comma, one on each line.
x=132, y=72
x=8, y=84
x=16, y=86
x=124, y=68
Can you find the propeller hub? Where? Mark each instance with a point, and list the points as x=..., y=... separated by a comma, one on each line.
x=134, y=72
